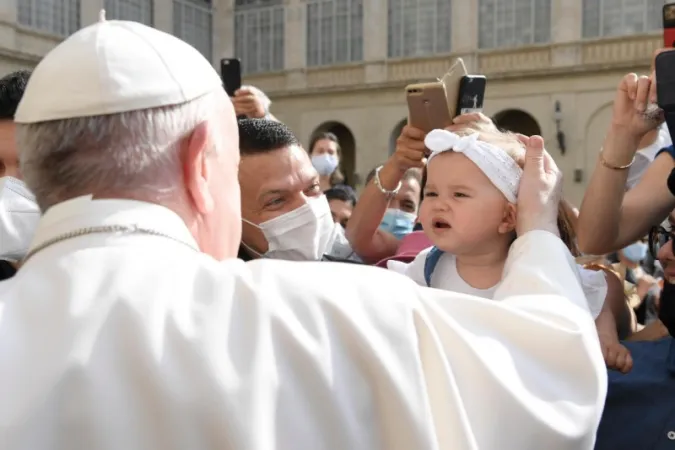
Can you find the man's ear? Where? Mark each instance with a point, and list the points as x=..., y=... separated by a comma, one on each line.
x=196, y=171
x=508, y=223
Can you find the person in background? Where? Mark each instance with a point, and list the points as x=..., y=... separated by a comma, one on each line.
x=284, y=211
x=132, y=325
x=401, y=215
x=650, y=145
x=19, y=213
x=639, y=411
x=325, y=152
x=341, y=200
x=611, y=218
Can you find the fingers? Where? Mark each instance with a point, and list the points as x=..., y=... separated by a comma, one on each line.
x=652, y=89
x=534, y=154
x=463, y=119
x=629, y=85
x=642, y=93
x=412, y=133
x=525, y=140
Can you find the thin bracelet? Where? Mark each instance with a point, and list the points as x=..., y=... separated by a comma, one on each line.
x=604, y=162
x=378, y=183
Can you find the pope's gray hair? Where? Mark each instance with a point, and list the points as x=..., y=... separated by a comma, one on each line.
x=133, y=154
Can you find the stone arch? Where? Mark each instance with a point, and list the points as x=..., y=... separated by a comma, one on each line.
x=517, y=121
x=347, y=147
x=395, y=133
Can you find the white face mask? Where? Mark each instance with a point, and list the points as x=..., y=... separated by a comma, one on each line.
x=304, y=234
x=19, y=216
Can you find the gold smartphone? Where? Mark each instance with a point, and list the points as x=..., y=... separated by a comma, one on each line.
x=432, y=105
x=427, y=106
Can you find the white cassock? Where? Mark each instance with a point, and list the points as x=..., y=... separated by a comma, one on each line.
x=129, y=341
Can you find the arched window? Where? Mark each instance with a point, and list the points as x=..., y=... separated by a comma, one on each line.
x=334, y=31
x=419, y=27
x=192, y=22
x=605, y=18
x=512, y=23
x=59, y=17
x=259, y=34
x=136, y=10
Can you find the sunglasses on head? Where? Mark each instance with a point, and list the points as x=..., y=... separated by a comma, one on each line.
x=658, y=237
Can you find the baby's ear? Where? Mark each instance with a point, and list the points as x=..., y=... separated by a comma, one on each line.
x=508, y=223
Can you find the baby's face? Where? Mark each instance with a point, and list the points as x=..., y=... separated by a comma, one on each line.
x=462, y=211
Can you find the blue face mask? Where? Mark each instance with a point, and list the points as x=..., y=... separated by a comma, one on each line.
x=397, y=222
x=635, y=252
x=325, y=164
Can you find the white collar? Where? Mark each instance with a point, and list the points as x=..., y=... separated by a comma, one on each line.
x=85, y=212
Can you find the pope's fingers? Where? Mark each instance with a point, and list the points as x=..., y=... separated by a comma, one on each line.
x=534, y=155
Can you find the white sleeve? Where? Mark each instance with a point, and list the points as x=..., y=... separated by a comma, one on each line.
x=414, y=269
x=359, y=357
x=594, y=285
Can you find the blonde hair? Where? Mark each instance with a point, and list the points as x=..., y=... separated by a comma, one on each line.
x=509, y=142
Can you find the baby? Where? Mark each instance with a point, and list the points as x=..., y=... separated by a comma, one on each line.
x=469, y=214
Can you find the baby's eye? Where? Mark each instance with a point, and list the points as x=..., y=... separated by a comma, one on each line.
x=430, y=194
x=460, y=195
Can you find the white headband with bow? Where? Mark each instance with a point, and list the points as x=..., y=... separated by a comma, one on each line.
x=495, y=163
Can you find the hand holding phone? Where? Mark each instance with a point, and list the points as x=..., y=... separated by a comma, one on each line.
x=230, y=75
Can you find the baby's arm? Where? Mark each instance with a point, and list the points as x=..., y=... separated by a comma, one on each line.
x=616, y=355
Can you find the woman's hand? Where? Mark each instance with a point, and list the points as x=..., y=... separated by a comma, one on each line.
x=635, y=111
x=410, y=150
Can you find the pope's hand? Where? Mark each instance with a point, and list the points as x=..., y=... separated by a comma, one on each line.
x=540, y=189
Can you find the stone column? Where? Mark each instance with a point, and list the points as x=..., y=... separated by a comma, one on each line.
x=295, y=35
x=89, y=12
x=9, y=11
x=375, y=26
x=162, y=15
x=465, y=32
x=223, y=30
x=566, y=20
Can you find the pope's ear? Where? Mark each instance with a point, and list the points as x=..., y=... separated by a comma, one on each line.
x=196, y=171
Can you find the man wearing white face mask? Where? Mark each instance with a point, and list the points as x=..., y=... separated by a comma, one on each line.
x=284, y=212
x=19, y=213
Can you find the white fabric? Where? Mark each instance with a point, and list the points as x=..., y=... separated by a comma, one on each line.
x=97, y=74
x=19, y=216
x=645, y=156
x=139, y=342
x=495, y=163
x=445, y=276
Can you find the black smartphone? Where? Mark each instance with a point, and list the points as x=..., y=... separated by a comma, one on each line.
x=230, y=74
x=471, y=94
x=664, y=65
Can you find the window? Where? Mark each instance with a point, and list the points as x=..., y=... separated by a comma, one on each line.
x=60, y=17
x=334, y=31
x=419, y=27
x=511, y=23
x=259, y=35
x=605, y=18
x=136, y=10
x=192, y=23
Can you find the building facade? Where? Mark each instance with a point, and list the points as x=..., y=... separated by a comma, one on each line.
x=342, y=65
